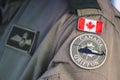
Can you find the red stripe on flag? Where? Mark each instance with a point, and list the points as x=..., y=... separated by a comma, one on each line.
x=99, y=26
x=81, y=22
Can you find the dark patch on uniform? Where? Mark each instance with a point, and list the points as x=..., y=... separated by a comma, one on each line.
x=21, y=38
x=83, y=4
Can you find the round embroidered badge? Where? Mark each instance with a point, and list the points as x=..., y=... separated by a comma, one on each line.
x=88, y=51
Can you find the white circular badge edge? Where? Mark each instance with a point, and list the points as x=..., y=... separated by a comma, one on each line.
x=83, y=66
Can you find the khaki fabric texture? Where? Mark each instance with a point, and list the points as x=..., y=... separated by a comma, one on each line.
x=62, y=67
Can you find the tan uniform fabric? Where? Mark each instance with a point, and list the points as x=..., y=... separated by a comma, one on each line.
x=64, y=32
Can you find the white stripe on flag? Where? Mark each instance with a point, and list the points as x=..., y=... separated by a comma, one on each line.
x=90, y=22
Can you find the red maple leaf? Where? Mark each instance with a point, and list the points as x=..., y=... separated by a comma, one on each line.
x=90, y=25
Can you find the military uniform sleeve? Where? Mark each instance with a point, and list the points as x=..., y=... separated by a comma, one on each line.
x=75, y=60
x=40, y=60
x=10, y=9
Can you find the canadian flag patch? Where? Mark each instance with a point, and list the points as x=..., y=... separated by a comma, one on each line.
x=89, y=25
